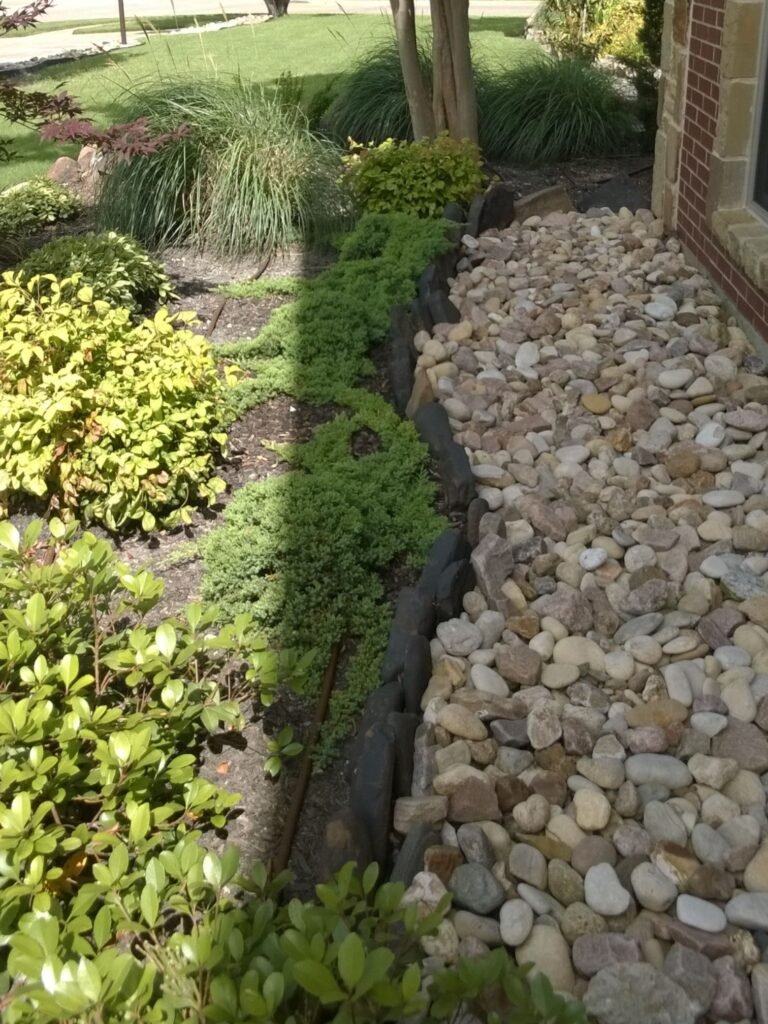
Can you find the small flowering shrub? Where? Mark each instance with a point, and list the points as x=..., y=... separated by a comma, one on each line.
x=104, y=419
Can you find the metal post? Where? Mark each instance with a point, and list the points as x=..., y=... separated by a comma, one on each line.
x=121, y=14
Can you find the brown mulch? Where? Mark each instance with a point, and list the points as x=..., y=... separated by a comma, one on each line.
x=580, y=177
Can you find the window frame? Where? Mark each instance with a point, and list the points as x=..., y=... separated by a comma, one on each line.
x=759, y=132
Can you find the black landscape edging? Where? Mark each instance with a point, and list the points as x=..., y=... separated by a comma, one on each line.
x=381, y=764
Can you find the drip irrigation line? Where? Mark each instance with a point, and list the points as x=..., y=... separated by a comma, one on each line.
x=290, y=827
x=225, y=298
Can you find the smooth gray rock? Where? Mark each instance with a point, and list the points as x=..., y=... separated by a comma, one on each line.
x=662, y=769
x=475, y=888
x=638, y=994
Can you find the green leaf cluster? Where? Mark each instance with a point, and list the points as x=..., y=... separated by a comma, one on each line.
x=305, y=552
x=102, y=710
x=32, y=205
x=115, y=267
x=263, y=287
x=414, y=177
x=102, y=418
x=319, y=344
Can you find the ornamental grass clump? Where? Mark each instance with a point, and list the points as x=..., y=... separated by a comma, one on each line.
x=370, y=102
x=102, y=418
x=548, y=110
x=247, y=175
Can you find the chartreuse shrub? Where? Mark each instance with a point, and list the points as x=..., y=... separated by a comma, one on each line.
x=110, y=909
x=31, y=205
x=414, y=177
x=102, y=418
x=320, y=342
x=305, y=552
x=248, y=174
x=115, y=267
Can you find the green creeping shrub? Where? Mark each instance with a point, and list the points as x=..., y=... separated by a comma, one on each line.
x=115, y=267
x=319, y=344
x=31, y=205
x=101, y=418
x=305, y=552
x=263, y=287
x=414, y=177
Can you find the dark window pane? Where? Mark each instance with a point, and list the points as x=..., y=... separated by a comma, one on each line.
x=761, y=167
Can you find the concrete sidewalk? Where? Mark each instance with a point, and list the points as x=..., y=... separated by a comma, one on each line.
x=47, y=45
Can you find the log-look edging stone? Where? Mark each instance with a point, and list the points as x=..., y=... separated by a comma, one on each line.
x=381, y=764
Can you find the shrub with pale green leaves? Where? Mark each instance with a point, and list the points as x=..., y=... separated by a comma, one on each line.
x=31, y=205
x=104, y=419
x=115, y=267
x=419, y=178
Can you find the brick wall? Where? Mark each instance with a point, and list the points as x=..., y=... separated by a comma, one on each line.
x=696, y=178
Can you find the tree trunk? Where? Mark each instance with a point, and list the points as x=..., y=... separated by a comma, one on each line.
x=277, y=8
x=453, y=88
x=422, y=118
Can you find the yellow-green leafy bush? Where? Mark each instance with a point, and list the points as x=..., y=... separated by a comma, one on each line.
x=116, y=267
x=99, y=417
x=414, y=177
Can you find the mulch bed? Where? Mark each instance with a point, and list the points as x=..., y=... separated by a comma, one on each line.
x=580, y=177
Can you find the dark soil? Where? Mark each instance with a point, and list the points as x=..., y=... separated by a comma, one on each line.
x=580, y=177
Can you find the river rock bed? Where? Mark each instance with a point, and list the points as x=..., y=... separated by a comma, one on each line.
x=593, y=745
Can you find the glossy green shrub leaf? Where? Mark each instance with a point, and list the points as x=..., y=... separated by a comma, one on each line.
x=351, y=961
x=318, y=981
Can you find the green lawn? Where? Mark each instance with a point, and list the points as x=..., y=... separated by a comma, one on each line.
x=315, y=46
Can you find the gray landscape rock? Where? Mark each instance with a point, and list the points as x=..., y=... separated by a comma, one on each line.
x=638, y=994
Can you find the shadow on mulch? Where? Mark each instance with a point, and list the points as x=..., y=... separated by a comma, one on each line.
x=579, y=177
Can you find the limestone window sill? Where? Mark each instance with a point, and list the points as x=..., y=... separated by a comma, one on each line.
x=744, y=236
